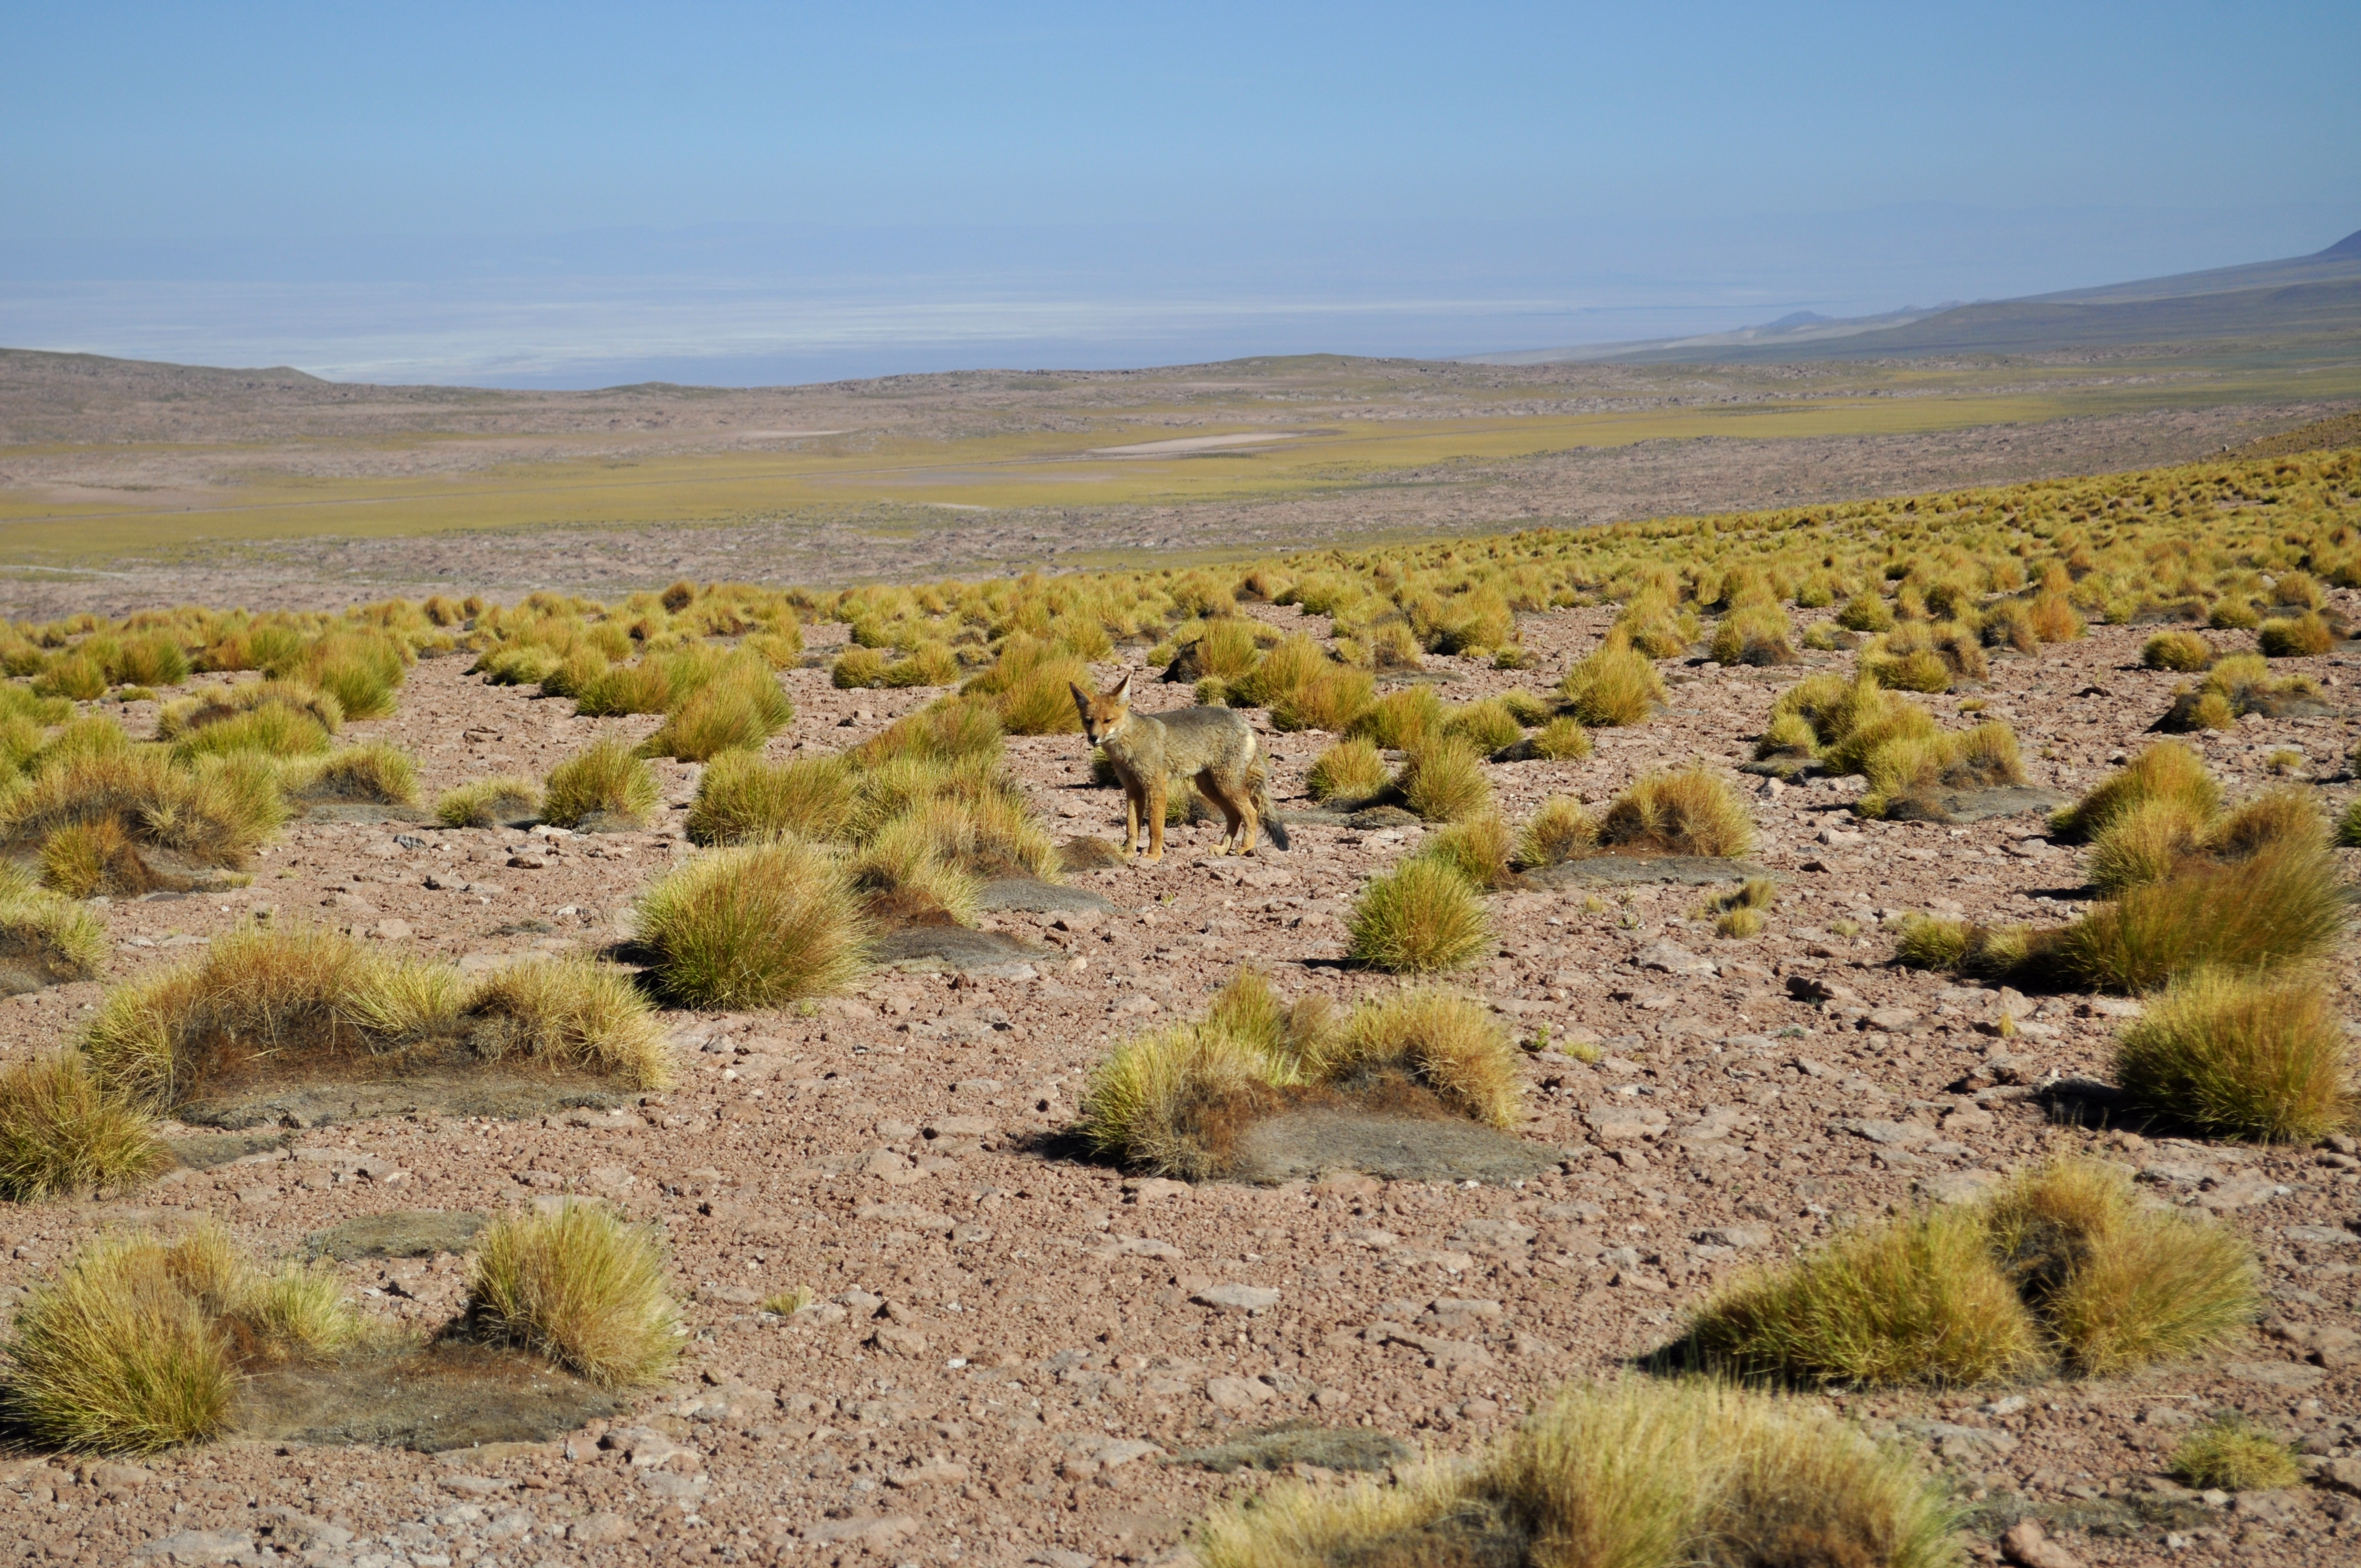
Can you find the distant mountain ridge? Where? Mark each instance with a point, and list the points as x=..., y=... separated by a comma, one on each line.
x=2315, y=293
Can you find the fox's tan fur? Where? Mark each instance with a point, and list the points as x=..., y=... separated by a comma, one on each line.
x=1214, y=748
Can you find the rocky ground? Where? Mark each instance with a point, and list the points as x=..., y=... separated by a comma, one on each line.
x=1016, y=1350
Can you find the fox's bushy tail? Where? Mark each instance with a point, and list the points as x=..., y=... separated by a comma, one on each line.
x=1259, y=792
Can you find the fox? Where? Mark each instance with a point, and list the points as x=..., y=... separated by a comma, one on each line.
x=1212, y=747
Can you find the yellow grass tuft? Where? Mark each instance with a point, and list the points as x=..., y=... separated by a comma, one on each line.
x=1559, y=832
x=606, y=782
x=489, y=803
x=1444, y=1042
x=1690, y=812
x=63, y=1131
x=579, y=1287
x=1443, y=781
x=2229, y=1454
x=742, y=798
x=1615, y=685
x=2229, y=1055
x=1417, y=919
x=2168, y=769
x=1350, y=769
x=754, y=927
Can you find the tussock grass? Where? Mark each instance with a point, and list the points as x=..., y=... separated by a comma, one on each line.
x=138, y=1343
x=2294, y=637
x=1614, y=685
x=989, y=833
x=742, y=798
x=1690, y=812
x=1032, y=685
x=951, y=730
x=263, y=999
x=1350, y=769
x=61, y=1130
x=1403, y=719
x=1559, y=832
x=2229, y=1055
x=1918, y=1298
x=1420, y=917
x=737, y=708
x=608, y=780
x=489, y=803
x=215, y=813
x=1174, y=1099
x=2166, y=769
x=2118, y=1285
x=2063, y=1265
x=2228, y=1453
x=2181, y=651
x=903, y=878
x=1443, y=781
x=1487, y=726
x=2277, y=908
x=581, y=1287
x=1906, y=775
x=1479, y=849
x=754, y=927
x=1444, y=1042
x=2142, y=843
x=1559, y=739
x=378, y=773
x=1644, y=1475
x=56, y=942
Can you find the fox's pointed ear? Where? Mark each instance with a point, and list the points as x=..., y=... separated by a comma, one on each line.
x=1122, y=692
x=1082, y=698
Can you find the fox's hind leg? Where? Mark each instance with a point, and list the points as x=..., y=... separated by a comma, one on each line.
x=1214, y=789
x=1156, y=802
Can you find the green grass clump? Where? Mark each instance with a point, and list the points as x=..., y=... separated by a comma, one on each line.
x=1615, y=684
x=489, y=803
x=2229, y=1454
x=857, y=669
x=951, y=730
x=1417, y=919
x=63, y=1131
x=742, y=798
x=1447, y=1044
x=1350, y=769
x=270, y=728
x=608, y=780
x=736, y=710
x=1443, y=781
x=2229, y=1055
x=1559, y=739
x=216, y=812
x=754, y=927
x=1174, y=1100
x=2277, y=908
x=581, y=1287
x=262, y=1000
x=1640, y=1474
x=1687, y=812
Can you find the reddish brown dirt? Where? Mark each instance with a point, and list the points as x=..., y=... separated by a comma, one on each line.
x=1020, y=1335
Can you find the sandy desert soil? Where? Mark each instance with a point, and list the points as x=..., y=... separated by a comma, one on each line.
x=1018, y=1348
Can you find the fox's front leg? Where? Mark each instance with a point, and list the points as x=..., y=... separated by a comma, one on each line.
x=1130, y=820
x=1156, y=820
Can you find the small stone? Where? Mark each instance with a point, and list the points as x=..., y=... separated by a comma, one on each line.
x=1672, y=958
x=599, y=1529
x=1238, y=1298
x=2028, y=1546
x=1739, y=1238
x=390, y=931
x=896, y=1340
x=1237, y=1393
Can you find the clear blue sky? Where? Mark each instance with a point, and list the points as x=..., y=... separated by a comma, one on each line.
x=164, y=168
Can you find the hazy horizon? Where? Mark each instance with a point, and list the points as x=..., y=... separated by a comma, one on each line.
x=582, y=196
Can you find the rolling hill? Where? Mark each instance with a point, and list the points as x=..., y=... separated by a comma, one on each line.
x=2311, y=296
